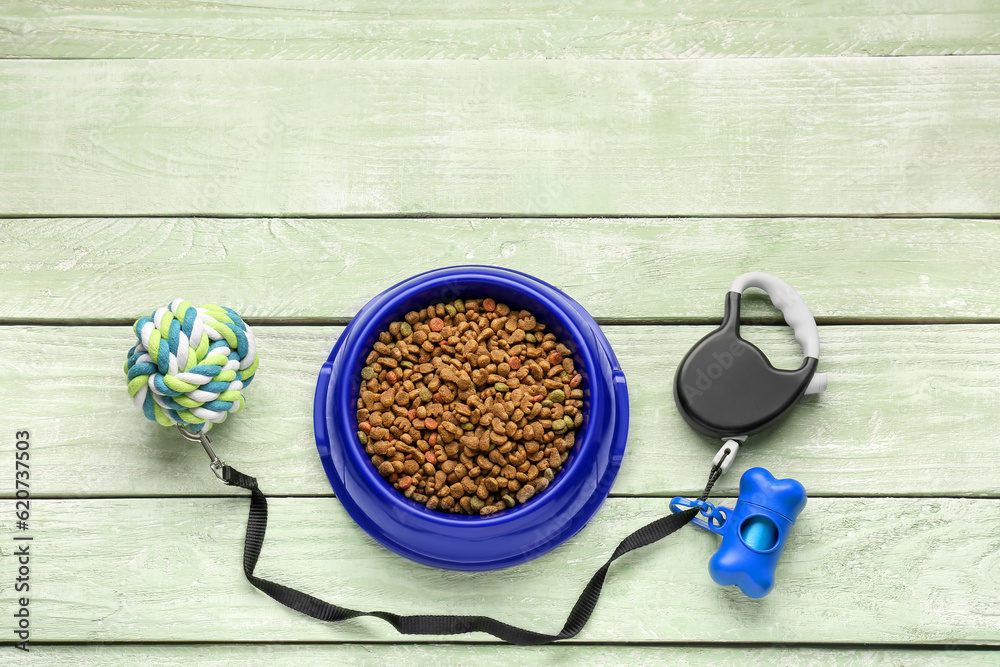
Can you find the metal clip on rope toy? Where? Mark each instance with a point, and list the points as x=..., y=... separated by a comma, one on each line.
x=727, y=388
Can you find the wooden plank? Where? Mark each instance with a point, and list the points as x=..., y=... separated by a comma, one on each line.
x=482, y=29
x=892, y=570
x=825, y=136
x=168, y=655
x=910, y=411
x=662, y=270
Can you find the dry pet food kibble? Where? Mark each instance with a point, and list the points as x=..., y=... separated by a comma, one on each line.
x=469, y=407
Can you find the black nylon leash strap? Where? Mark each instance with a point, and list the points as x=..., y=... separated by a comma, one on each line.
x=443, y=624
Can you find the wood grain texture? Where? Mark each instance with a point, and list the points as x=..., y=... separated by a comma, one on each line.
x=894, y=570
x=564, y=29
x=824, y=136
x=909, y=411
x=662, y=270
x=240, y=655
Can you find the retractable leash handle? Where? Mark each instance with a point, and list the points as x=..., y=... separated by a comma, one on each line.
x=726, y=387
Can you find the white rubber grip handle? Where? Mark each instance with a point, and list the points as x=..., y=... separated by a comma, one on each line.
x=787, y=300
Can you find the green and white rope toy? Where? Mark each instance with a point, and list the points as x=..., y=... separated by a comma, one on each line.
x=190, y=366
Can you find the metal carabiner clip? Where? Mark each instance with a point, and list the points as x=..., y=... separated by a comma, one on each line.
x=201, y=436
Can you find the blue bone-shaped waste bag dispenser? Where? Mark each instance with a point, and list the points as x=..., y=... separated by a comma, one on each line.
x=753, y=533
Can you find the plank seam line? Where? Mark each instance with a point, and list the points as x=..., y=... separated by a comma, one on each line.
x=615, y=496
x=505, y=216
x=917, y=646
x=603, y=321
x=509, y=60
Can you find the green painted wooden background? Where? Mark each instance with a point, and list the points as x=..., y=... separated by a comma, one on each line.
x=291, y=159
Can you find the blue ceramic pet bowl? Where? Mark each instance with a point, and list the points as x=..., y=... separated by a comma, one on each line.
x=461, y=542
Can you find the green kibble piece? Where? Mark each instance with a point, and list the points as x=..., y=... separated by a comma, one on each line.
x=558, y=426
x=476, y=504
x=367, y=373
x=548, y=474
x=362, y=437
x=451, y=310
x=468, y=426
x=501, y=387
x=557, y=396
x=459, y=305
x=508, y=501
x=530, y=337
x=425, y=395
x=405, y=329
x=547, y=403
x=406, y=363
x=563, y=374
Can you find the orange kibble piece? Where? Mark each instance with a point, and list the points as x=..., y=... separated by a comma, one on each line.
x=515, y=363
x=436, y=324
x=391, y=377
x=489, y=305
x=405, y=481
x=432, y=439
x=431, y=423
x=365, y=426
x=411, y=414
x=555, y=358
x=429, y=456
x=575, y=382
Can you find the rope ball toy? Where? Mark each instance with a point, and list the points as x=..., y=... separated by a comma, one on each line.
x=190, y=366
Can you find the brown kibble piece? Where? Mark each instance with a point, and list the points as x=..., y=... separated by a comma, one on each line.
x=525, y=494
